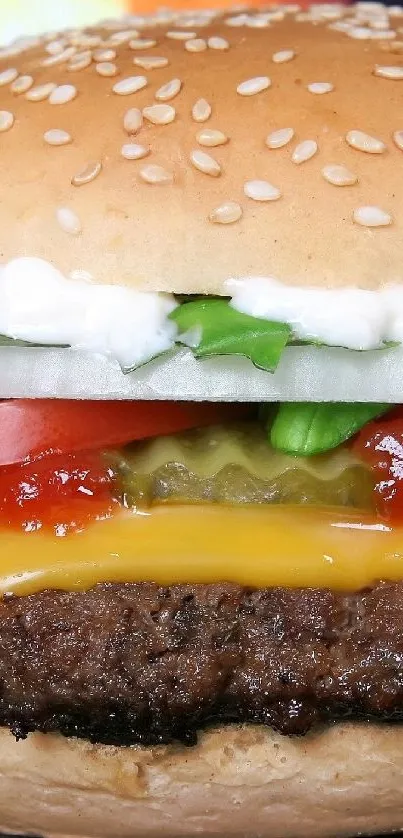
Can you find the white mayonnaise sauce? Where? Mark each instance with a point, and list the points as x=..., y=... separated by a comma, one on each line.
x=348, y=317
x=38, y=304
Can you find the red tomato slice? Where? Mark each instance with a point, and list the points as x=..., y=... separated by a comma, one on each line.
x=29, y=428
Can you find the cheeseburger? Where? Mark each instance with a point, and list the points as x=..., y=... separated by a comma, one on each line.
x=201, y=430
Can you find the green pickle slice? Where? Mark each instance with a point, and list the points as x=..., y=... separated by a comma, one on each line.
x=235, y=465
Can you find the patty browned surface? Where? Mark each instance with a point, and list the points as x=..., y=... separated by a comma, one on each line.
x=143, y=663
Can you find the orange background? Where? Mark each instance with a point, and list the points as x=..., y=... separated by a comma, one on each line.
x=28, y=17
x=146, y=5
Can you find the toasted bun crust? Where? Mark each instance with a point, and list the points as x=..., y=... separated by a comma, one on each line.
x=238, y=781
x=158, y=236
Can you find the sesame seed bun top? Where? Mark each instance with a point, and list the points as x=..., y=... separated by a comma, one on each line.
x=175, y=153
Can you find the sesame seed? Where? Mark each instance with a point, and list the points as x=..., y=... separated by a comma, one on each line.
x=59, y=58
x=381, y=24
x=387, y=35
x=89, y=173
x=372, y=217
x=41, y=92
x=237, y=20
x=177, y=35
x=20, y=45
x=142, y=43
x=55, y=47
x=283, y=55
x=364, y=142
x=398, y=139
x=68, y=221
x=104, y=55
x=7, y=76
x=195, y=45
x=339, y=175
x=151, y=62
x=211, y=137
x=304, y=151
x=134, y=151
x=159, y=114
x=169, y=90
x=62, y=94
x=80, y=61
x=131, y=84
x=261, y=190
x=155, y=174
x=280, y=138
x=359, y=33
x=226, y=213
x=133, y=120
x=320, y=87
x=56, y=136
x=252, y=86
x=106, y=68
x=84, y=41
x=216, y=42
x=6, y=120
x=339, y=26
x=122, y=37
x=22, y=84
x=391, y=72
x=257, y=22
x=205, y=163
x=333, y=12
x=201, y=110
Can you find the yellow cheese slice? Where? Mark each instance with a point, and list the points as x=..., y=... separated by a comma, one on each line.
x=253, y=545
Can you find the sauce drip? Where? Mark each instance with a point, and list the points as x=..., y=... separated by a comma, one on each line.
x=63, y=492
x=380, y=444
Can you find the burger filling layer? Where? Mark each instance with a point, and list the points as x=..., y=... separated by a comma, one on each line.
x=165, y=566
x=256, y=316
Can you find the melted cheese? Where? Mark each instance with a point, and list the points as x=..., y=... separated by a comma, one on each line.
x=256, y=546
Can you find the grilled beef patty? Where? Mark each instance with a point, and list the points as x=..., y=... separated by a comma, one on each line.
x=126, y=663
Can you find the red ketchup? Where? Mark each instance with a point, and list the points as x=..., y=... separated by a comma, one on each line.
x=380, y=444
x=63, y=492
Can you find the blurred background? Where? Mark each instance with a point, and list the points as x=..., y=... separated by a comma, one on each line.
x=19, y=17
x=31, y=16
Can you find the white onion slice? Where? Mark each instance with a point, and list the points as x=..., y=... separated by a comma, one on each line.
x=305, y=373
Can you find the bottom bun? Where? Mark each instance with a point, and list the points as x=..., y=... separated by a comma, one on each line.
x=238, y=781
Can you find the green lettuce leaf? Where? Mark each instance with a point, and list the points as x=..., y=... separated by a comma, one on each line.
x=224, y=331
x=306, y=428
